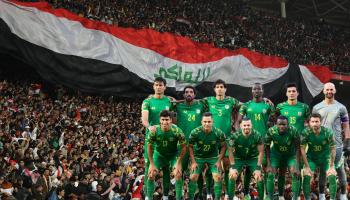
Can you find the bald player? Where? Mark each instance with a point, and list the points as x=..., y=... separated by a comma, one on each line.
x=335, y=117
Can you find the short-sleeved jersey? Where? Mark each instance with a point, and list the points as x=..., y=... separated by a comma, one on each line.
x=206, y=145
x=283, y=144
x=166, y=143
x=154, y=106
x=245, y=147
x=296, y=114
x=318, y=145
x=259, y=113
x=332, y=116
x=189, y=116
x=222, y=112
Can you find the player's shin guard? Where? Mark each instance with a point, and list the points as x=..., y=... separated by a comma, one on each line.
x=208, y=181
x=281, y=182
x=231, y=188
x=166, y=181
x=295, y=186
x=246, y=180
x=270, y=187
x=178, y=188
x=146, y=178
x=200, y=183
x=332, y=181
x=307, y=187
x=226, y=179
x=192, y=187
x=217, y=189
x=260, y=185
x=150, y=189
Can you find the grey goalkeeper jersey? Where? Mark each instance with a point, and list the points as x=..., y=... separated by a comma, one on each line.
x=332, y=116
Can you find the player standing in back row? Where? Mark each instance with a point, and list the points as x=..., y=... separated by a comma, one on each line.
x=151, y=108
x=297, y=114
x=335, y=117
x=223, y=109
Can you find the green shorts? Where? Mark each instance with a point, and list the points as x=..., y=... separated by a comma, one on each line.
x=323, y=164
x=283, y=161
x=185, y=161
x=211, y=162
x=163, y=161
x=251, y=163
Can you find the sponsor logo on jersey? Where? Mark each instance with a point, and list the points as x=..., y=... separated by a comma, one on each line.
x=264, y=111
x=198, y=111
x=286, y=113
x=200, y=142
x=227, y=106
x=166, y=107
x=153, y=108
x=299, y=114
x=249, y=109
x=213, y=106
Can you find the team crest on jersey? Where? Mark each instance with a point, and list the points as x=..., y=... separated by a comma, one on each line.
x=198, y=111
x=213, y=142
x=231, y=142
x=166, y=107
x=249, y=109
x=213, y=106
x=299, y=114
x=227, y=106
x=286, y=113
x=171, y=139
x=153, y=108
x=200, y=142
x=264, y=111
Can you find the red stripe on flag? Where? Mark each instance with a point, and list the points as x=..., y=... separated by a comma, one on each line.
x=321, y=72
x=167, y=44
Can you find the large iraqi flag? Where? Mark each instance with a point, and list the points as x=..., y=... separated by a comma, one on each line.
x=96, y=57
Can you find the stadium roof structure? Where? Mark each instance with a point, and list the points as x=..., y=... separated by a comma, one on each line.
x=335, y=12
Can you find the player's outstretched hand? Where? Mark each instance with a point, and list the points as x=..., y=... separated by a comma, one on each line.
x=331, y=171
x=194, y=166
x=346, y=147
x=307, y=171
x=152, y=129
x=152, y=172
x=257, y=175
x=233, y=174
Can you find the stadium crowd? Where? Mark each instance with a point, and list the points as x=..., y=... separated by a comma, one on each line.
x=226, y=24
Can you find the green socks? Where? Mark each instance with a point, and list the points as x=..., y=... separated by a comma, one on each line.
x=150, y=189
x=178, y=188
x=192, y=187
x=231, y=188
x=307, y=187
x=295, y=186
x=217, y=190
x=332, y=181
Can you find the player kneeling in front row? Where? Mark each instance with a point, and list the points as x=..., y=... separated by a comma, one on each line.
x=165, y=139
x=204, y=144
x=320, y=154
x=283, y=154
x=246, y=149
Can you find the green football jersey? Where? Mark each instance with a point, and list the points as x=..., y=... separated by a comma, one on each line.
x=189, y=117
x=166, y=143
x=318, y=145
x=222, y=112
x=259, y=113
x=296, y=114
x=206, y=145
x=154, y=106
x=283, y=144
x=245, y=147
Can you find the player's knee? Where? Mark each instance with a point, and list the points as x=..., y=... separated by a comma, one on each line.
x=216, y=177
x=194, y=177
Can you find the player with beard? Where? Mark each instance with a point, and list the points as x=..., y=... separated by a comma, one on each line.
x=189, y=116
x=246, y=150
x=335, y=117
x=150, y=110
x=285, y=142
x=320, y=154
x=163, y=154
x=259, y=112
x=297, y=114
